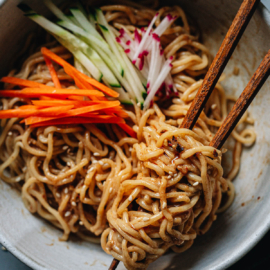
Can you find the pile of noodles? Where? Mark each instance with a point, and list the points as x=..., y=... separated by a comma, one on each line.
x=142, y=195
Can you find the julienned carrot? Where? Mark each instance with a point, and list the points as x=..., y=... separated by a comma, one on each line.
x=67, y=92
x=17, y=113
x=74, y=120
x=56, y=106
x=81, y=84
x=118, y=111
x=80, y=98
x=89, y=109
x=47, y=98
x=28, y=111
x=86, y=111
x=24, y=83
x=74, y=73
x=53, y=73
x=59, y=102
x=69, y=69
x=128, y=130
x=37, y=92
x=51, y=103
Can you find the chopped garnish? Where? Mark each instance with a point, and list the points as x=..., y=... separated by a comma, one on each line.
x=62, y=106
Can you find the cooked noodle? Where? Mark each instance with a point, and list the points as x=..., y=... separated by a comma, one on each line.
x=143, y=195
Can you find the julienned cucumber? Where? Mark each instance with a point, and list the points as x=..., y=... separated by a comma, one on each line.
x=79, y=24
x=82, y=58
x=91, y=30
x=75, y=44
x=91, y=51
x=102, y=48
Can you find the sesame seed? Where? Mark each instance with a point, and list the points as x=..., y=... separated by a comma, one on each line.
x=9, y=133
x=65, y=147
x=130, y=198
x=101, y=163
x=213, y=106
x=110, y=191
x=24, y=169
x=196, y=184
x=90, y=170
x=68, y=213
x=106, y=164
x=164, y=205
x=146, y=218
x=68, y=163
x=65, y=180
x=94, y=161
x=96, y=154
x=175, y=175
x=66, y=190
x=73, y=204
x=130, y=149
x=81, y=223
x=170, y=173
x=3, y=248
x=18, y=178
x=169, y=177
x=57, y=195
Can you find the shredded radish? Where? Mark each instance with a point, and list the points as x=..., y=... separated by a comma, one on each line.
x=164, y=25
x=160, y=79
x=147, y=55
x=144, y=39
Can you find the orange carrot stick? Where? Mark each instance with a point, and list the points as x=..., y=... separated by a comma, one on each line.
x=74, y=73
x=61, y=102
x=128, y=130
x=37, y=92
x=117, y=110
x=74, y=121
x=46, y=98
x=24, y=83
x=83, y=110
x=76, y=98
x=53, y=73
x=35, y=111
x=65, y=92
x=35, y=121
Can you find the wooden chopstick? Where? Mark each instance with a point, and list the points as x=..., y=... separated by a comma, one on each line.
x=114, y=264
x=242, y=103
x=225, y=51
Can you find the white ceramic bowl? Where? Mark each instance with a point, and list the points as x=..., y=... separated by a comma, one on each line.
x=234, y=233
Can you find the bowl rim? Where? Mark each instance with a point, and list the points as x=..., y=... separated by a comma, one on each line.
x=241, y=251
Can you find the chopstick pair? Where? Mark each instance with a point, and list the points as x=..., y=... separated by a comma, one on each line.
x=225, y=51
x=220, y=61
